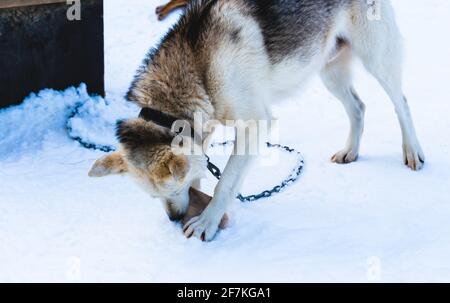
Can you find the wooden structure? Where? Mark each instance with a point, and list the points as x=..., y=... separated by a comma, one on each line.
x=40, y=48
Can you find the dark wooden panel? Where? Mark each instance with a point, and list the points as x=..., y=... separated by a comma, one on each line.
x=40, y=48
x=17, y=3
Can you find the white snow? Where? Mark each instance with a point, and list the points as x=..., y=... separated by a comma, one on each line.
x=373, y=220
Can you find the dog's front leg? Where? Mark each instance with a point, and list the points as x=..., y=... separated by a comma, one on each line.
x=206, y=225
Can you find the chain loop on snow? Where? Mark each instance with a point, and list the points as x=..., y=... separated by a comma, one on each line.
x=293, y=177
x=215, y=171
x=75, y=111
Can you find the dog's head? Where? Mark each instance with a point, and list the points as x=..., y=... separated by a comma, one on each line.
x=147, y=155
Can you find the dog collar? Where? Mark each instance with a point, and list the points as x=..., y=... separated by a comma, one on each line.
x=163, y=120
x=157, y=117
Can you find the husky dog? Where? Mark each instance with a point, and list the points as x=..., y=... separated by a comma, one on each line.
x=228, y=60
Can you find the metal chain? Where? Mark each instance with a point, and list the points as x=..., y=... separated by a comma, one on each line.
x=215, y=171
x=293, y=177
x=75, y=111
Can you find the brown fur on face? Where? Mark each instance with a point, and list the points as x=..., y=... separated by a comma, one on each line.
x=146, y=155
x=166, y=167
x=147, y=150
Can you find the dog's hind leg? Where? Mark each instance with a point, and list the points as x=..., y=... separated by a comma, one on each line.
x=337, y=77
x=163, y=10
x=378, y=44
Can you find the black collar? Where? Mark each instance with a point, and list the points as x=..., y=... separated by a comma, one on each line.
x=163, y=120
x=157, y=117
x=167, y=121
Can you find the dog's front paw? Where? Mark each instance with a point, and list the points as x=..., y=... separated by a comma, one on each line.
x=203, y=227
x=345, y=157
x=413, y=157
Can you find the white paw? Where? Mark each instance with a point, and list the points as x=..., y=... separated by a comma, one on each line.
x=414, y=158
x=203, y=227
x=345, y=156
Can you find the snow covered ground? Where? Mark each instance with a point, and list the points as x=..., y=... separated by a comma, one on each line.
x=373, y=220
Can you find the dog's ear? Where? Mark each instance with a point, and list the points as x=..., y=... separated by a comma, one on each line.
x=112, y=164
x=137, y=133
x=131, y=133
x=178, y=167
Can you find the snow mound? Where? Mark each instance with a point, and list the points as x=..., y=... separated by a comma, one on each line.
x=44, y=118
